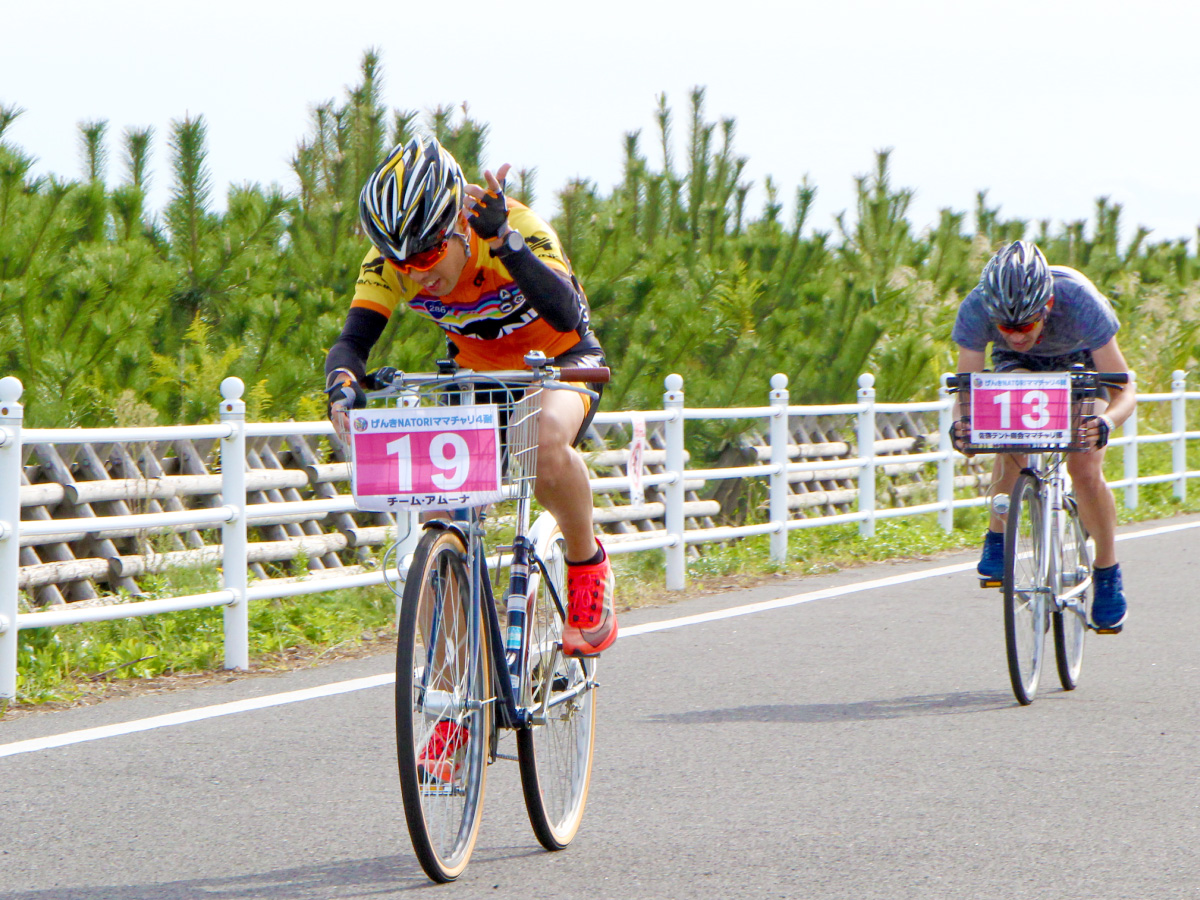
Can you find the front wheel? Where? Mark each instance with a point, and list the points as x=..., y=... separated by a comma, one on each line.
x=555, y=751
x=1070, y=622
x=1025, y=585
x=443, y=713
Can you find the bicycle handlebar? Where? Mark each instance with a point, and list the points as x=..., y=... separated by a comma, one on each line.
x=386, y=376
x=961, y=380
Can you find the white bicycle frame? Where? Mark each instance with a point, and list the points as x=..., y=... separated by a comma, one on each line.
x=1054, y=487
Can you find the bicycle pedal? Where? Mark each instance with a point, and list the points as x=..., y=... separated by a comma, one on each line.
x=582, y=655
x=991, y=583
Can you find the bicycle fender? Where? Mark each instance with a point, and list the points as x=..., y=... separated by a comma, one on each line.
x=445, y=525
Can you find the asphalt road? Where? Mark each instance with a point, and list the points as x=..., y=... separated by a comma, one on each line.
x=859, y=746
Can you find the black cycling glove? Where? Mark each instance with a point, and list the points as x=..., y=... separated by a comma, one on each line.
x=344, y=391
x=1102, y=427
x=958, y=443
x=489, y=214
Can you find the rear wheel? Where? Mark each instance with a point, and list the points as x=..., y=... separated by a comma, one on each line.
x=1070, y=623
x=555, y=752
x=443, y=719
x=1025, y=586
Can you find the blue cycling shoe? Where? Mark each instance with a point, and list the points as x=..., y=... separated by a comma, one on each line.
x=991, y=563
x=1108, y=606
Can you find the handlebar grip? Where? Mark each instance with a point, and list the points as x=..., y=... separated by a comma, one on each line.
x=587, y=375
x=381, y=378
x=1114, y=378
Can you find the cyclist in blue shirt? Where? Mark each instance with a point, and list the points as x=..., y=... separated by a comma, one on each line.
x=1043, y=318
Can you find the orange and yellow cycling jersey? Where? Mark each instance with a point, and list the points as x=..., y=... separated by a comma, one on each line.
x=486, y=316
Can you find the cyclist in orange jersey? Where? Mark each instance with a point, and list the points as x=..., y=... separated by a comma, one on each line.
x=494, y=277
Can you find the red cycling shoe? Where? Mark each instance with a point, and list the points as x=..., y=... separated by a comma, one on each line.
x=438, y=763
x=591, y=625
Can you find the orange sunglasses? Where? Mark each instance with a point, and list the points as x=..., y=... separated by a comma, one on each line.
x=1023, y=328
x=423, y=261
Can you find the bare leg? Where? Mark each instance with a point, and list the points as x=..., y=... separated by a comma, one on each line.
x=1005, y=470
x=1097, y=507
x=562, y=476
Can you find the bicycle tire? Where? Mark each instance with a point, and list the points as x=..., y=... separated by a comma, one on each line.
x=1070, y=623
x=555, y=752
x=1025, y=580
x=443, y=675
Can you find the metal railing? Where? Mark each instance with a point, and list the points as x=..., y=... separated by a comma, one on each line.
x=234, y=516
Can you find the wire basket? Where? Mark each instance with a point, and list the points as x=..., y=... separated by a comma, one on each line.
x=1084, y=388
x=519, y=438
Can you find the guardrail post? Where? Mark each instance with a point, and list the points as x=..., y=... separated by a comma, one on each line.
x=233, y=532
x=866, y=450
x=945, y=465
x=779, y=459
x=1179, y=426
x=673, y=433
x=11, y=414
x=1130, y=431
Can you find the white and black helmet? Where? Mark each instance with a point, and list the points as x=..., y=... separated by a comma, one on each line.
x=411, y=201
x=1016, y=284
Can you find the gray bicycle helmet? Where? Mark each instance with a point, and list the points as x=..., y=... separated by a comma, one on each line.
x=1016, y=284
x=411, y=201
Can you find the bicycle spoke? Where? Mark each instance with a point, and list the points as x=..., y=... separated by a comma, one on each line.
x=556, y=751
x=442, y=714
x=1025, y=587
x=1070, y=624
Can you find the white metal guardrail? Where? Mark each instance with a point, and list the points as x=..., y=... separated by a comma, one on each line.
x=234, y=516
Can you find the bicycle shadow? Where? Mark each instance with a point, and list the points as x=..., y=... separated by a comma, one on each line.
x=957, y=703
x=358, y=878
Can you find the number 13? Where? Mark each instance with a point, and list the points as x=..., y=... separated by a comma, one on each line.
x=1038, y=403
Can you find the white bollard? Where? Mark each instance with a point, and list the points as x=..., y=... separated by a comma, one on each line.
x=779, y=459
x=11, y=415
x=673, y=435
x=1179, y=426
x=946, y=417
x=1130, y=430
x=233, y=533
x=866, y=450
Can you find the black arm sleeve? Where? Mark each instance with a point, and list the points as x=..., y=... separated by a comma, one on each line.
x=552, y=294
x=363, y=328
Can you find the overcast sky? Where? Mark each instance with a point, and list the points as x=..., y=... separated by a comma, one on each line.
x=1047, y=105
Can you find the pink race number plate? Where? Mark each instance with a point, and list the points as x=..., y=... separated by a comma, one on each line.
x=1021, y=408
x=426, y=458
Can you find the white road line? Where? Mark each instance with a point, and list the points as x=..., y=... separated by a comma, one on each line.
x=793, y=600
x=358, y=684
x=193, y=715
x=1155, y=532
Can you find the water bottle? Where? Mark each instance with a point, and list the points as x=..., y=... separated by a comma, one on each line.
x=516, y=622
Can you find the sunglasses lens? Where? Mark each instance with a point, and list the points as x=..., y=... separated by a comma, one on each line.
x=423, y=261
x=1023, y=328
